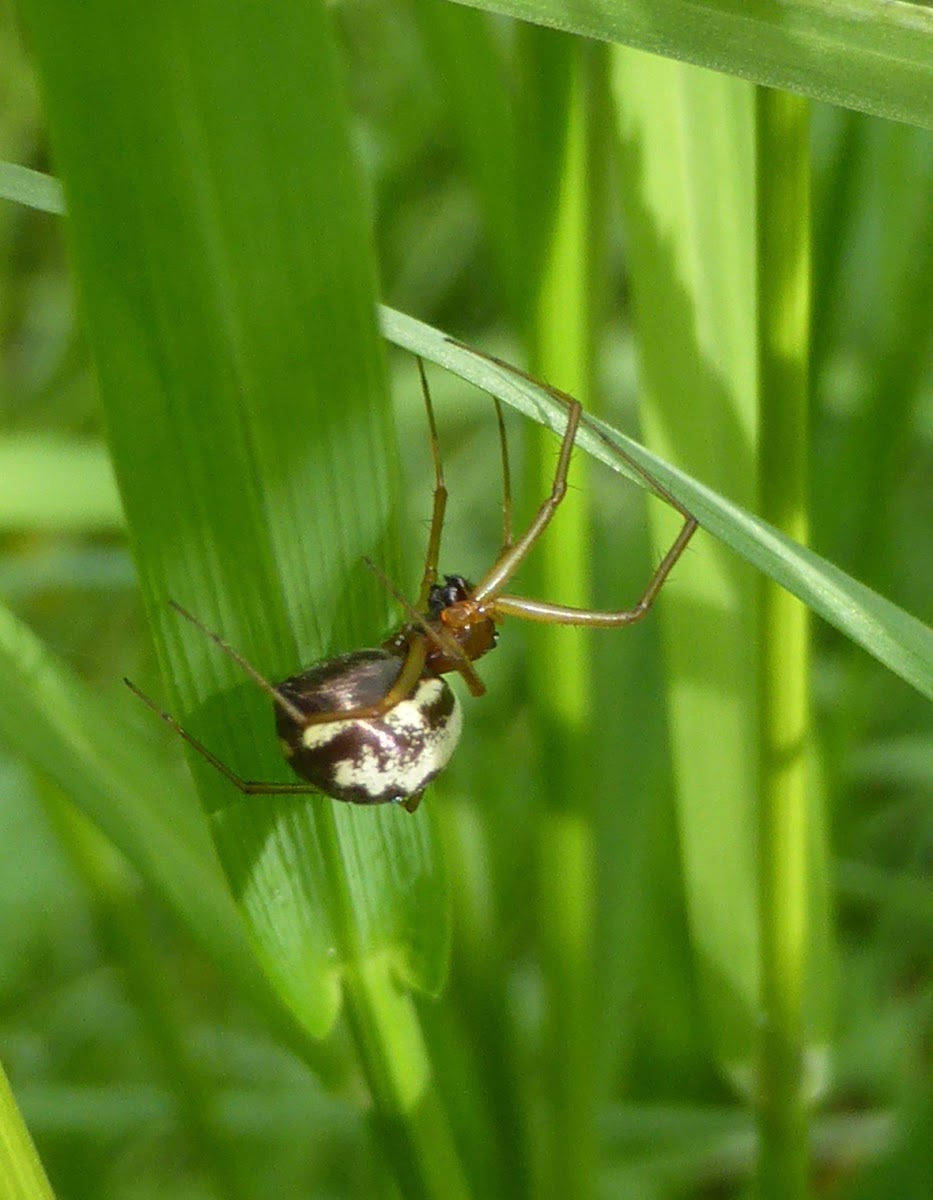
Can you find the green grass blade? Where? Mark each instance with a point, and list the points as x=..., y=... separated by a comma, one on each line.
x=687, y=191
x=56, y=722
x=562, y=350
x=31, y=188
x=787, y=794
x=894, y=637
x=122, y=925
x=220, y=385
x=865, y=54
x=221, y=239
x=21, y=1170
x=226, y=274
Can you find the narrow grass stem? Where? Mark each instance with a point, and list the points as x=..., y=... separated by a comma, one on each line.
x=783, y=207
x=567, y=866
x=121, y=926
x=407, y=1112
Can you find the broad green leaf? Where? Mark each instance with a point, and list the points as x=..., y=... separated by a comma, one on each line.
x=226, y=279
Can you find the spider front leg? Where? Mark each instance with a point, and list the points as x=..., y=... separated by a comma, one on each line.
x=429, y=575
x=286, y=696
x=488, y=591
x=557, y=614
x=516, y=552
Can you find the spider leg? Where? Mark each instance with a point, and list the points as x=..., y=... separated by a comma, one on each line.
x=568, y=401
x=286, y=706
x=439, y=636
x=429, y=578
x=436, y=633
x=509, y=562
x=557, y=614
x=410, y=803
x=506, y=480
x=403, y=686
x=512, y=558
x=249, y=787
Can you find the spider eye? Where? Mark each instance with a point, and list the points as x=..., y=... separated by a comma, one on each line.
x=453, y=590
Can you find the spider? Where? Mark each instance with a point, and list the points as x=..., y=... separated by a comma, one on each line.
x=379, y=725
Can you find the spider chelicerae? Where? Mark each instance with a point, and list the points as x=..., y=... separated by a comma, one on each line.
x=379, y=725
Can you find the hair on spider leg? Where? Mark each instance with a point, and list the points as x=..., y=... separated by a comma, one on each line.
x=378, y=725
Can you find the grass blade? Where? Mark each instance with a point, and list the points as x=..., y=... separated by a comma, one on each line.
x=562, y=349
x=20, y=1168
x=687, y=190
x=864, y=54
x=221, y=240
x=787, y=795
x=60, y=726
x=213, y=455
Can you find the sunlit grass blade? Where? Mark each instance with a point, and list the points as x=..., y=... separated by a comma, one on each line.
x=687, y=183
x=562, y=348
x=20, y=1169
x=31, y=188
x=790, y=872
x=874, y=56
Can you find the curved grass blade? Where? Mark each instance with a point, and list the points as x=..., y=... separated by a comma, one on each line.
x=894, y=637
x=31, y=188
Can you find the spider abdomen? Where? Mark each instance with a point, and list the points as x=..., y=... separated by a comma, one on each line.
x=393, y=756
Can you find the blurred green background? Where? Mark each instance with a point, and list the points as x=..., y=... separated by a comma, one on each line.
x=584, y=1042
